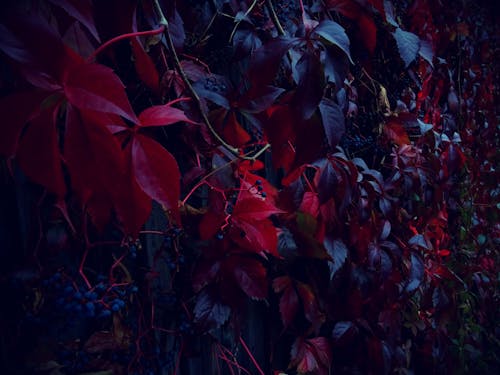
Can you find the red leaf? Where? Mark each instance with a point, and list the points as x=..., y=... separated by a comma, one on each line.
x=396, y=133
x=309, y=303
x=145, y=67
x=347, y=8
x=250, y=275
x=96, y=87
x=266, y=60
x=255, y=235
x=368, y=32
x=95, y=160
x=233, y=132
x=253, y=207
x=156, y=171
x=310, y=203
x=81, y=10
x=15, y=111
x=311, y=355
x=161, y=115
x=39, y=155
x=289, y=301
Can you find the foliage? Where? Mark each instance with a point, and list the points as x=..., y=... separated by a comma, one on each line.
x=333, y=162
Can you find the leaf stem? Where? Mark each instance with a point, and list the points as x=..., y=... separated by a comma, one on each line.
x=178, y=66
x=249, y=10
x=102, y=47
x=252, y=358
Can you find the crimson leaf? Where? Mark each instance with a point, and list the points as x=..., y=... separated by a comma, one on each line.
x=250, y=275
x=96, y=87
x=156, y=171
x=160, y=115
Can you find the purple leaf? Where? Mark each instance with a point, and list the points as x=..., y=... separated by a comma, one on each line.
x=311, y=82
x=333, y=121
x=335, y=34
x=338, y=252
x=209, y=312
x=408, y=45
x=417, y=272
x=80, y=10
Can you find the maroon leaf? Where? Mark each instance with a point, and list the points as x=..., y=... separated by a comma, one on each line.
x=310, y=304
x=250, y=275
x=368, y=31
x=310, y=86
x=265, y=62
x=156, y=171
x=408, y=45
x=96, y=87
x=289, y=301
x=395, y=131
x=81, y=10
x=333, y=121
x=335, y=34
x=311, y=355
x=161, y=115
x=39, y=155
x=259, y=98
x=145, y=67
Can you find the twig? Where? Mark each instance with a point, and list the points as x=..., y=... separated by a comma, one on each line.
x=275, y=18
x=124, y=36
x=252, y=358
x=249, y=10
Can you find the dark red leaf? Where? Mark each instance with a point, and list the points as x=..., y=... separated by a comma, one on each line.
x=309, y=303
x=368, y=32
x=156, y=171
x=161, y=115
x=81, y=10
x=259, y=98
x=348, y=8
x=96, y=87
x=266, y=60
x=311, y=355
x=38, y=154
x=395, y=131
x=333, y=121
x=204, y=273
x=289, y=301
x=145, y=67
x=250, y=275
x=255, y=235
x=232, y=131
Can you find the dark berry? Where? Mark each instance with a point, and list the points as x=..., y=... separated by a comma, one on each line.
x=264, y=194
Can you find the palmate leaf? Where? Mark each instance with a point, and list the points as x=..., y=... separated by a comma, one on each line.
x=81, y=10
x=333, y=121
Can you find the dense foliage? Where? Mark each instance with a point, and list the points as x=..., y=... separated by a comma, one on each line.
x=328, y=168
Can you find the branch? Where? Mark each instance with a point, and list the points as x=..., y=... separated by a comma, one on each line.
x=275, y=18
x=194, y=94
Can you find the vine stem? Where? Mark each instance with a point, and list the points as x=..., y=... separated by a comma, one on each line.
x=185, y=79
x=249, y=10
x=275, y=18
x=252, y=358
x=124, y=36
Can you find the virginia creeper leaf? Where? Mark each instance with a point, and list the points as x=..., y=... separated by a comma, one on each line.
x=144, y=66
x=98, y=88
x=156, y=171
x=208, y=311
x=338, y=252
x=417, y=272
x=161, y=115
x=81, y=10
